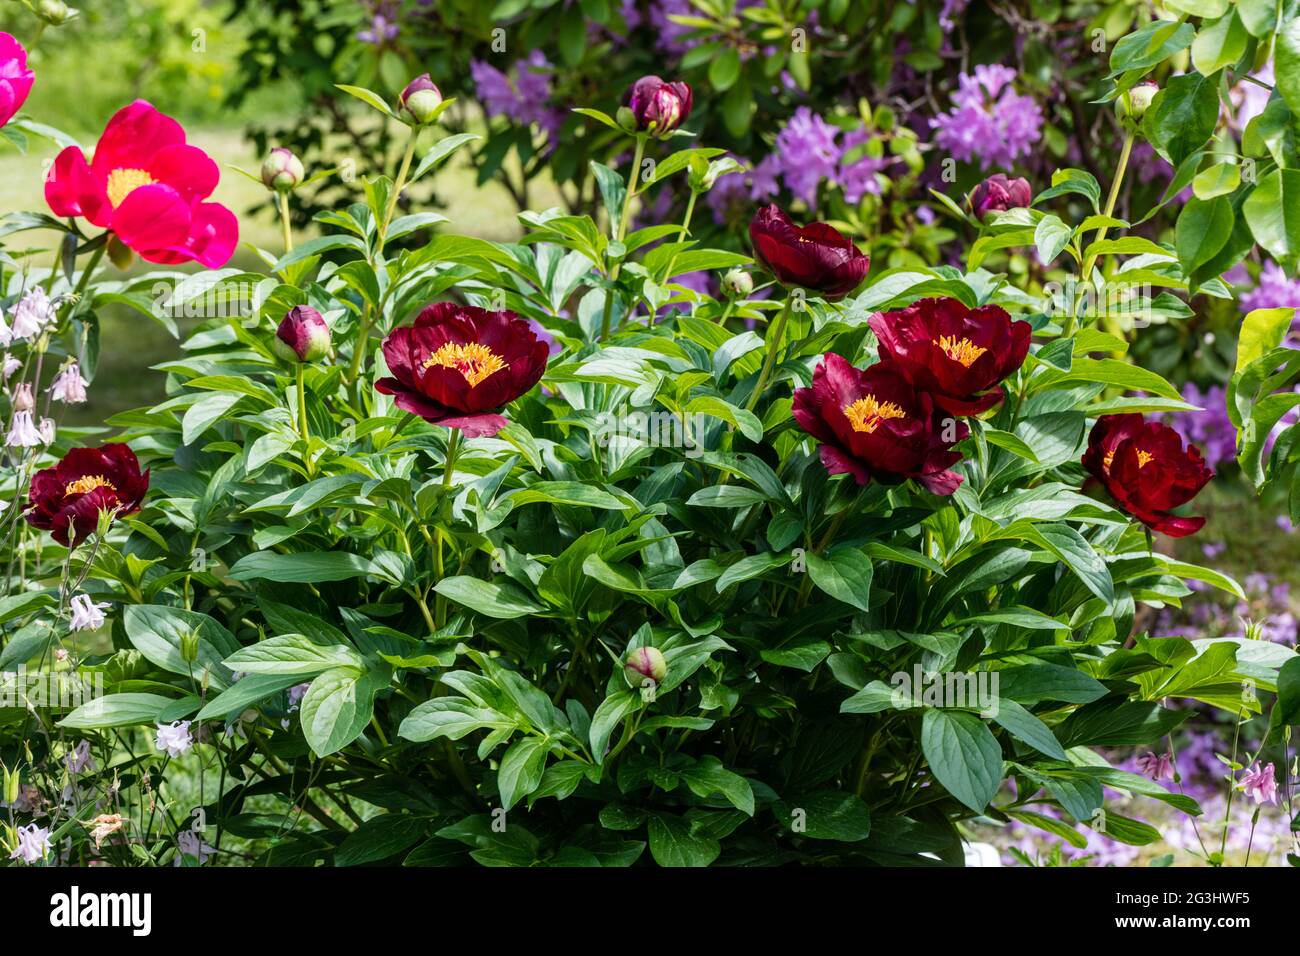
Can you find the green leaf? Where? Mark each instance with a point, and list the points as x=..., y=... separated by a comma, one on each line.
x=116, y=710
x=672, y=843
x=369, y=97
x=302, y=567
x=607, y=717
x=1272, y=211
x=1203, y=229
x=1183, y=116
x=337, y=707
x=156, y=631
x=521, y=770
x=829, y=815
x=436, y=153
x=1151, y=45
x=450, y=717
x=724, y=69
x=1219, y=180
x=1219, y=44
x=1286, y=712
x=249, y=690
x=845, y=575
x=709, y=776
x=1262, y=331
x=1051, y=236
x=963, y=755
x=499, y=599
x=1286, y=64
x=379, y=838
x=1026, y=727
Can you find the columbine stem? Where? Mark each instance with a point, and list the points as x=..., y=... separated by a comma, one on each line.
x=769, y=360
x=632, y=177
x=1085, y=275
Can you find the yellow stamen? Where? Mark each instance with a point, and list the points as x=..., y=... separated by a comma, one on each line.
x=866, y=414
x=474, y=361
x=1144, y=457
x=1105, y=462
x=84, y=486
x=963, y=351
x=123, y=182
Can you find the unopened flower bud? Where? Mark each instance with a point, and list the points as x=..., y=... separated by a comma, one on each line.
x=1137, y=101
x=119, y=253
x=421, y=99
x=738, y=283
x=645, y=664
x=12, y=783
x=657, y=107
x=303, y=336
x=54, y=12
x=281, y=170
x=190, y=647
x=998, y=194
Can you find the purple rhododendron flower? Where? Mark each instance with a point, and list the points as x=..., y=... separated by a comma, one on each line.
x=989, y=120
x=522, y=99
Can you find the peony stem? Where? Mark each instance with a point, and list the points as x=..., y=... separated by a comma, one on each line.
x=285, y=225
x=302, y=415
x=632, y=176
x=448, y=469
x=769, y=360
x=398, y=186
x=1085, y=275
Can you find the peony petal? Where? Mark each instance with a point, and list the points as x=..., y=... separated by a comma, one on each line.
x=476, y=426
x=151, y=217
x=73, y=189
x=133, y=137
x=187, y=169
x=941, y=483
x=839, y=462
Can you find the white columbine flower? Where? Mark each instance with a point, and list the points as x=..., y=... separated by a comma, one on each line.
x=6, y=335
x=47, y=430
x=22, y=432
x=191, y=845
x=33, y=844
x=23, y=400
x=174, y=737
x=11, y=365
x=79, y=758
x=68, y=386
x=32, y=314
x=86, y=614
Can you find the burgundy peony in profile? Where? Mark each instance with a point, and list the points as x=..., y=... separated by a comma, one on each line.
x=814, y=257
x=998, y=194
x=657, y=106
x=147, y=186
x=958, y=355
x=16, y=78
x=874, y=424
x=66, y=499
x=1147, y=470
x=458, y=364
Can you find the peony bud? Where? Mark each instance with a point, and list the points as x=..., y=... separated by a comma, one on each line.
x=1137, y=101
x=281, y=170
x=54, y=12
x=657, y=107
x=119, y=253
x=421, y=100
x=738, y=283
x=645, y=664
x=303, y=336
x=998, y=194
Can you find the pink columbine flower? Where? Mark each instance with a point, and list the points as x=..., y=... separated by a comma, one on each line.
x=33, y=844
x=68, y=386
x=22, y=399
x=191, y=845
x=47, y=429
x=11, y=365
x=1156, y=766
x=296, y=693
x=174, y=737
x=86, y=614
x=33, y=314
x=79, y=759
x=1260, y=784
x=22, y=432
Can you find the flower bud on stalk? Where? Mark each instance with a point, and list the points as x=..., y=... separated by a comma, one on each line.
x=645, y=664
x=421, y=101
x=54, y=12
x=998, y=194
x=655, y=107
x=1137, y=101
x=302, y=336
x=738, y=283
x=281, y=170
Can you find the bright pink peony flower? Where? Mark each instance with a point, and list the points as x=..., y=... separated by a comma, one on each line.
x=16, y=77
x=147, y=186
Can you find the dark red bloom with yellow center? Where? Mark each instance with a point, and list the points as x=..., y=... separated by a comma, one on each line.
x=874, y=423
x=958, y=355
x=148, y=186
x=66, y=500
x=1147, y=470
x=813, y=257
x=458, y=364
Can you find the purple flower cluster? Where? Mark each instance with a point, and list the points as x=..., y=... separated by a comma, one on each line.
x=808, y=152
x=522, y=99
x=1210, y=429
x=1275, y=290
x=383, y=27
x=989, y=120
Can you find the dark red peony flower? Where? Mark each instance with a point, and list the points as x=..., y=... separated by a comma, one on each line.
x=16, y=77
x=998, y=194
x=659, y=107
x=147, y=186
x=875, y=424
x=66, y=500
x=1146, y=469
x=457, y=364
x=957, y=354
x=813, y=257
